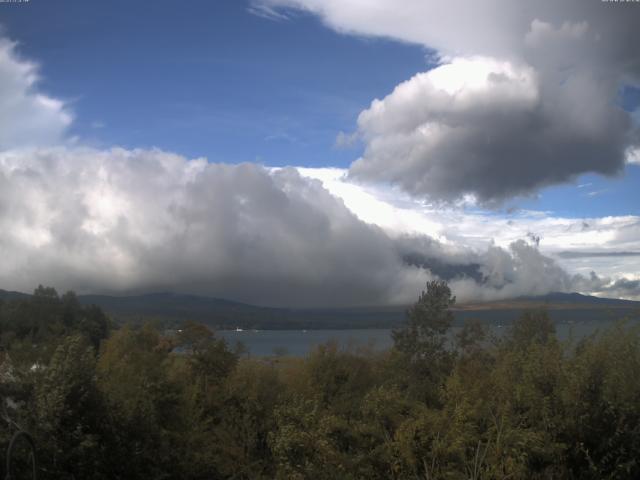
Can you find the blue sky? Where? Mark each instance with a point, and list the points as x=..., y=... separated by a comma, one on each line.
x=208, y=78
x=441, y=102
x=211, y=79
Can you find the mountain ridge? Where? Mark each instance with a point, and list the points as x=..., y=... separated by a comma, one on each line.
x=173, y=308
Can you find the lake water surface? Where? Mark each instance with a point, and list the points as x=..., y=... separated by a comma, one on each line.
x=301, y=342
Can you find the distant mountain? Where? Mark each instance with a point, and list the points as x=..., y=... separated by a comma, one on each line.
x=554, y=301
x=8, y=295
x=171, y=304
x=173, y=309
x=580, y=299
x=220, y=313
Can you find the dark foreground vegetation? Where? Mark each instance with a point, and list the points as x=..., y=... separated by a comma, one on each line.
x=102, y=402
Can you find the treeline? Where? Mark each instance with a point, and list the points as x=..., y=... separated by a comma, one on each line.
x=133, y=403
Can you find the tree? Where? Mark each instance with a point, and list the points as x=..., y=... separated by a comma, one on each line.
x=67, y=412
x=209, y=358
x=133, y=378
x=428, y=321
x=533, y=327
x=421, y=344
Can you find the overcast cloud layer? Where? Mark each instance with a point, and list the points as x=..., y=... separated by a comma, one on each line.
x=123, y=221
x=525, y=96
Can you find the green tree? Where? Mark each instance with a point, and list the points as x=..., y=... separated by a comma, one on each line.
x=143, y=402
x=421, y=344
x=601, y=423
x=68, y=413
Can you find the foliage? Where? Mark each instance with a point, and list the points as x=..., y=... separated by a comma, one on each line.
x=421, y=345
x=138, y=402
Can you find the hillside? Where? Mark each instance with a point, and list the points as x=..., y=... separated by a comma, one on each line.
x=9, y=295
x=553, y=301
x=172, y=309
x=220, y=313
x=564, y=307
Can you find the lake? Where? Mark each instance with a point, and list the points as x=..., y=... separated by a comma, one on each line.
x=301, y=342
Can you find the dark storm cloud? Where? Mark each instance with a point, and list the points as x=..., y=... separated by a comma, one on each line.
x=445, y=263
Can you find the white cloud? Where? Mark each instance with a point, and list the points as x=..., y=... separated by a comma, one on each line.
x=467, y=233
x=27, y=116
x=122, y=220
x=525, y=96
x=117, y=220
x=145, y=220
x=346, y=140
x=267, y=12
x=497, y=28
x=452, y=27
x=400, y=213
x=490, y=129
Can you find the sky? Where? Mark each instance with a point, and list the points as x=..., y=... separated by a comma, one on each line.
x=321, y=153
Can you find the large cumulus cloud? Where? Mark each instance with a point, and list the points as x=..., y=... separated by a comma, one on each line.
x=489, y=129
x=145, y=220
x=148, y=220
x=525, y=95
